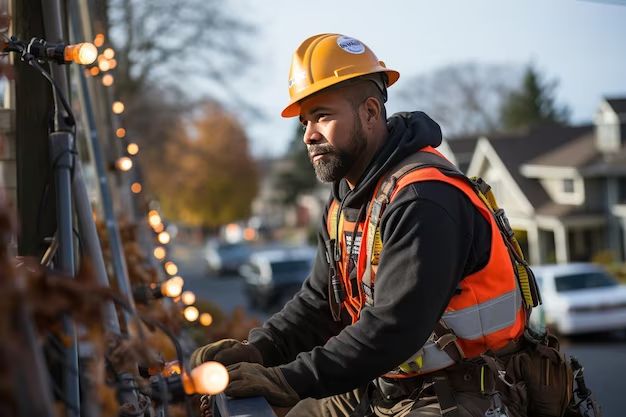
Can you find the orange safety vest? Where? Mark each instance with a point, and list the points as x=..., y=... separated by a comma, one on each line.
x=486, y=314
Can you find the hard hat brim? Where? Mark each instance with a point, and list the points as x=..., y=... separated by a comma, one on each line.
x=293, y=108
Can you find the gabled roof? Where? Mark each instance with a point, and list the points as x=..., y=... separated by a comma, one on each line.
x=463, y=150
x=576, y=153
x=516, y=149
x=618, y=105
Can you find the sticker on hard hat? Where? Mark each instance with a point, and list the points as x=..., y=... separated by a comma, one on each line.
x=350, y=45
x=297, y=77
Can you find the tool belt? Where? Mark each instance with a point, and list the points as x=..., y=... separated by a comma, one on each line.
x=528, y=377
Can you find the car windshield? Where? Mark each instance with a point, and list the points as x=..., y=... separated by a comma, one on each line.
x=584, y=281
x=292, y=270
x=233, y=250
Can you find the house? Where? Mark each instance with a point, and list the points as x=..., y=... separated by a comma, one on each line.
x=563, y=188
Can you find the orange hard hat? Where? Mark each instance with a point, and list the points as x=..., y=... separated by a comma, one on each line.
x=324, y=60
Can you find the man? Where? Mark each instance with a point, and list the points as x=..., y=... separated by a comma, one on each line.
x=365, y=334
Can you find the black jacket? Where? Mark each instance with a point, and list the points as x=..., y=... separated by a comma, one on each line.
x=432, y=237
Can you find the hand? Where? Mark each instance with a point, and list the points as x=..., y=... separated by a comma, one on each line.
x=227, y=352
x=252, y=379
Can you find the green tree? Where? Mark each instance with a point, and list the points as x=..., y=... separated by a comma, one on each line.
x=298, y=176
x=533, y=103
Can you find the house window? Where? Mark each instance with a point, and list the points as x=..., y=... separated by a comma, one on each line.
x=621, y=196
x=568, y=185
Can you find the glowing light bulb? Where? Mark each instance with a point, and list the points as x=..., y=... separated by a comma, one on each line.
x=209, y=378
x=112, y=63
x=171, y=268
x=107, y=80
x=159, y=252
x=94, y=71
x=171, y=288
x=99, y=40
x=118, y=107
x=82, y=53
x=108, y=53
x=104, y=65
x=206, y=319
x=178, y=280
x=120, y=132
x=158, y=228
x=191, y=313
x=154, y=218
x=188, y=298
x=164, y=238
x=124, y=163
x=136, y=188
x=132, y=149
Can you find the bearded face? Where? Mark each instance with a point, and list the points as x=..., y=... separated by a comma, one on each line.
x=331, y=163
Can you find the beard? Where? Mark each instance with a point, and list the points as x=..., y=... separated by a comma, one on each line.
x=336, y=163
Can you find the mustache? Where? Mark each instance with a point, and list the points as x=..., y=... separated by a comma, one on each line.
x=319, y=149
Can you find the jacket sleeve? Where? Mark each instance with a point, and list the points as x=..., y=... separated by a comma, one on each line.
x=304, y=322
x=427, y=237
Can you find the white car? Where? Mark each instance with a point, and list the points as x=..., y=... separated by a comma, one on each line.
x=579, y=298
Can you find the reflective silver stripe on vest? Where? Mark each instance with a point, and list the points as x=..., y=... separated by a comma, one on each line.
x=469, y=323
x=433, y=359
x=485, y=318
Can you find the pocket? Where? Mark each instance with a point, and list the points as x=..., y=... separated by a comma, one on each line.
x=547, y=375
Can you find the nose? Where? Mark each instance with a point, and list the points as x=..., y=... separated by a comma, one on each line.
x=311, y=134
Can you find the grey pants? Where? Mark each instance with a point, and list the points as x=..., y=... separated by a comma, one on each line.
x=470, y=405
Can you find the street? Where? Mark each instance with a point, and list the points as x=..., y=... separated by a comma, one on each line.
x=604, y=357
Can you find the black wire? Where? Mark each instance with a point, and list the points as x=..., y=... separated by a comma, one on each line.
x=71, y=121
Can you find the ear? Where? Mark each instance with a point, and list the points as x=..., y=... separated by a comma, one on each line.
x=372, y=111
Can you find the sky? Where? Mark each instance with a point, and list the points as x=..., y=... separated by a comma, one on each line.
x=581, y=43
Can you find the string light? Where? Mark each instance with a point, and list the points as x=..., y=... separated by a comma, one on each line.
x=179, y=280
x=171, y=288
x=158, y=228
x=154, y=218
x=132, y=149
x=191, y=313
x=164, y=238
x=171, y=268
x=108, y=53
x=120, y=132
x=99, y=40
x=107, y=80
x=104, y=65
x=206, y=319
x=210, y=378
x=118, y=107
x=124, y=163
x=94, y=71
x=159, y=253
x=188, y=298
x=83, y=53
x=136, y=188
x=112, y=63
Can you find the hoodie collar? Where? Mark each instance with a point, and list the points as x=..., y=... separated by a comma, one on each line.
x=408, y=133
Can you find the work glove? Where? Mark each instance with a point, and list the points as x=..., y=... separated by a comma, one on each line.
x=253, y=379
x=227, y=352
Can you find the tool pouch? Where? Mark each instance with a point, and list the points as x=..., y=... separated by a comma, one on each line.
x=546, y=373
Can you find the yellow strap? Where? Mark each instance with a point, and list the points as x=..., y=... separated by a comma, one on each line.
x=334, y=211
x=522, y=274
x=378, y=247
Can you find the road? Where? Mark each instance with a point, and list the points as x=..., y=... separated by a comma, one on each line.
x=604, y=357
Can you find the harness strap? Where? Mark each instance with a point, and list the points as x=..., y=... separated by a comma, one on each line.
x=445, y=396
x=382, y=199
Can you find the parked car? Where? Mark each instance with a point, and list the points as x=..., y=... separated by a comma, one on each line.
x=273, y=276
x=579, y=298
x=225, y=258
